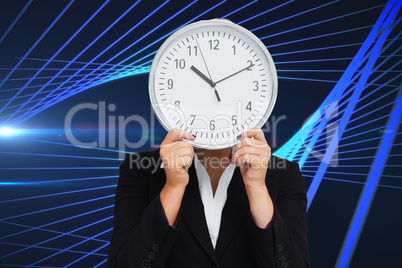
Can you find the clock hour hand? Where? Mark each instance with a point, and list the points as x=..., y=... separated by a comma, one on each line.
x=203, y=76
x=217, y=94
x=212, y=84
x=251, y=65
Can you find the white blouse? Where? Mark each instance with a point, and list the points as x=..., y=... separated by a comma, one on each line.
x=213, y=205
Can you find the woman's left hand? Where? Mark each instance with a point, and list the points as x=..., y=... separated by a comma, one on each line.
x=252, y=155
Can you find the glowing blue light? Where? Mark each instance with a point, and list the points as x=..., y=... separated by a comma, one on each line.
x=10, y=183
x=7, y=131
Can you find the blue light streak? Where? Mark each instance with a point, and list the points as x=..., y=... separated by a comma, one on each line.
x=49, y=61
x=92, y=252
x=64, y=156
x=71, y=145
x=294, y=15
x=15, y=21
x=354, y=182
x=99, y=264
x=316, y=49
x=51, y=239
x=265, y=12
x=370, y=187
x=290, y=156
x=39, y=78
x=312, y=141
x=307, y=79
x=49, y=248
x=70, y=247
x=366, y=105
x=33, y=46
x=10, y=183
x=372, y=102
x=59, y=221
x=240, y=8
x=48, y=230
x=364, y=149
x=356, y=94
x=8, y=131
x=359, y=157
x=101, y=53
x=321, y=36
x=57, y=207
x=315, y=60
x=57, y=194
x=85, y=86
x=72, y=62
x=89, y=84
x=16, y=265
x=321, y=48
x=90, y=44
x=320, y=22
x=63, y=234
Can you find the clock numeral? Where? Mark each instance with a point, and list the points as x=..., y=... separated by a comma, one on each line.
x=234, y=120
x=248, y=107
x=170, y=83
x=192, y=119
x=212, y=125
x=256, y=86
x=180, y=63
x=177, y=104
x=249, y=62
x=234, y=49
x=213, y=44
x=192, y=50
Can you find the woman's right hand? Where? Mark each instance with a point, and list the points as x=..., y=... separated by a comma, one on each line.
x=177, y=156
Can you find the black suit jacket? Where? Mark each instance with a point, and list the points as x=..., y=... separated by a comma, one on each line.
x=142, y=236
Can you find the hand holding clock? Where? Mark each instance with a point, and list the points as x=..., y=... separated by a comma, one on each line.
x=252, y=155
x=177, y=156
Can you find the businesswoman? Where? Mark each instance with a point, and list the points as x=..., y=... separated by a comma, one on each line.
x=209, y=208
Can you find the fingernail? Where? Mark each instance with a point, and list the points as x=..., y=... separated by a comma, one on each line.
x=239, y=136
x=193, y=135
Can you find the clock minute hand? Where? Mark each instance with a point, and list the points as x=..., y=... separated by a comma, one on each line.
x=251, y=65
x=210, y=77
x=203, y=76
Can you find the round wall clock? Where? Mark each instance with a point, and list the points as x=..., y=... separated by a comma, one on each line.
x=214, y=79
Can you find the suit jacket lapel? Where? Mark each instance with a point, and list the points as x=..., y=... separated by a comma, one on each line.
x=234, y=212
x=192, y=211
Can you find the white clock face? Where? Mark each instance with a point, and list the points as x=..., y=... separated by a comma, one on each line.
x=215, y=80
